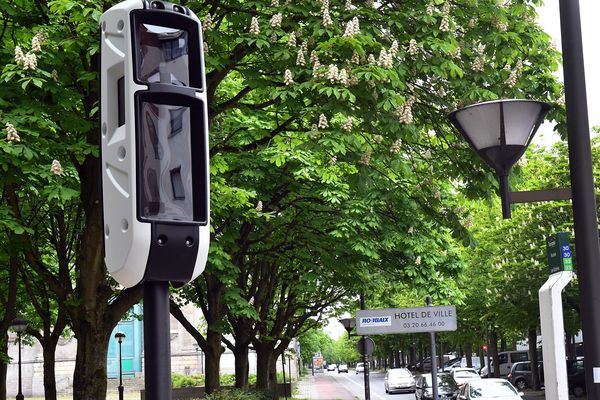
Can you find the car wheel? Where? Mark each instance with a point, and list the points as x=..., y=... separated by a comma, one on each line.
x=386, y=390
x=578, y=391
x=521, y=384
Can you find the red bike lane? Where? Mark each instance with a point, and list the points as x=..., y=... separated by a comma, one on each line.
x=325, y=387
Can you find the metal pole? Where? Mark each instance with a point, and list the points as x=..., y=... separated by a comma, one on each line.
x=365, y=358
x=20, y=393
x=283, y=369
x=487, y=351
x=290, y=373
x=157, y=346
x=120, y=373
x=582, y=184
x=434, y=380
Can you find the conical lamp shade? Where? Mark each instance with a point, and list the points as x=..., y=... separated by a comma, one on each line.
x=500, y=130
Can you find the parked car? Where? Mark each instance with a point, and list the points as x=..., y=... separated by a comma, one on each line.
x=506, y=359
x=399, y=380
x=342, y=368
x=576, y=377
x=447, y=388
x=521, y=377
x=463, y=375
x=360, y=367
x=331, y=367
x=483, y=389
x=427, y=362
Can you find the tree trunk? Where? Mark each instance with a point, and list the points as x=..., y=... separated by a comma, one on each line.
x=212, y=361
x=482, y=358
x=49, y=373
x=264, y=359
x=494, y=349
x=469, y=354
x=241, y=366
x=89, y=379
x=3, y=365
x=535, y=372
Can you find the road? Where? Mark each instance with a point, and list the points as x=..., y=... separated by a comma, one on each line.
x=334, y=386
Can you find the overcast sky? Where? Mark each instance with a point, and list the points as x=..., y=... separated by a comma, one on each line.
x=549, y=19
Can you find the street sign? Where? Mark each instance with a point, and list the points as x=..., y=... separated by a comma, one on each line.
x=367, y=348
x=406, y=320
x=560, y=257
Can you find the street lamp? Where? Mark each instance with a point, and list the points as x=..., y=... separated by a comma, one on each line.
x=500, y=131
x=585, y=218
x=349, y=324
x=19, y=325
x=120, y=336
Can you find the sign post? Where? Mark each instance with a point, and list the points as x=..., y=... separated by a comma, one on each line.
x=560, y=263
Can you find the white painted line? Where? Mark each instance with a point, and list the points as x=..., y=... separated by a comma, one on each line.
x=373, y=395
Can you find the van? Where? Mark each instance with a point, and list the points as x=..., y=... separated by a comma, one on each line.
x=506, y=359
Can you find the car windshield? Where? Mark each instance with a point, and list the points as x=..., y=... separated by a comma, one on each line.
x=444, y=380
x=360, y=365
x=491, y=389
x=400, y=373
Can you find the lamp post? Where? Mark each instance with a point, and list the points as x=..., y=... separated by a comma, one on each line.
x=120, y=336
x=585, y=218
x=19, y=325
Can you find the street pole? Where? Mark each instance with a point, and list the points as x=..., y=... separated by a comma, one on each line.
x=157, y=343
x=365, y=357
x=582, y=185
x=434, y=380
x=283, y=370
x=487, y=351
x=20, y=393
x=121, y=389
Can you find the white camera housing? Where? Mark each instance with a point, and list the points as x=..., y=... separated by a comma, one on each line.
x=154, y=143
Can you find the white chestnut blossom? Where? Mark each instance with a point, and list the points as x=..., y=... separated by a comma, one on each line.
x=352, y=27
x=347, y=126
x=316, y=67
x=366, y=158
x=348, y=5
x=413, y=50
x=300, y=61
x=55, y=75
x=411, y=230
x=19, y=56
x=313, y=57
x=323, y=122
x=333, y=160
x=259, y=206
x=273, y=38
x=332, y=73
x=396, y=147
x=343, y=77
x=561, y=101
x=207, y=23
x=274, y=3
x=371, y=59
x=11, y=133
x=205, y=48
x=36, y=45
x=326, y=17
x=445, y=24
x=276, y=20
x=56, y=168
x=385, y=59
x=478, y=64
x=254, y=28
x=292, y=40
x=418, y=260
x=30, y=61
x=430, y=9
x=288, y=79
x=377, y=139
x=355, y=58
x=394, y=48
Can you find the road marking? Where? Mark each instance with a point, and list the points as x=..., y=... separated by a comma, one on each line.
x=363, y=388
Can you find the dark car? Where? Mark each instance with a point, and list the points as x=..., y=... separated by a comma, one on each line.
x=521, y=377
x=447, y=388
x=576, y=377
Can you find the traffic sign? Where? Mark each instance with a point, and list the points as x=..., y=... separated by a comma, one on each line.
x=560, y=257
x=406, y=320
x=365, y=345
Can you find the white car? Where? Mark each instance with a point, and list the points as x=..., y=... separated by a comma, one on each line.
x=360, y=367
x=489, y=389
x=331, y=367
x=399, y=380
x=342, y=368
x=463, y=375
